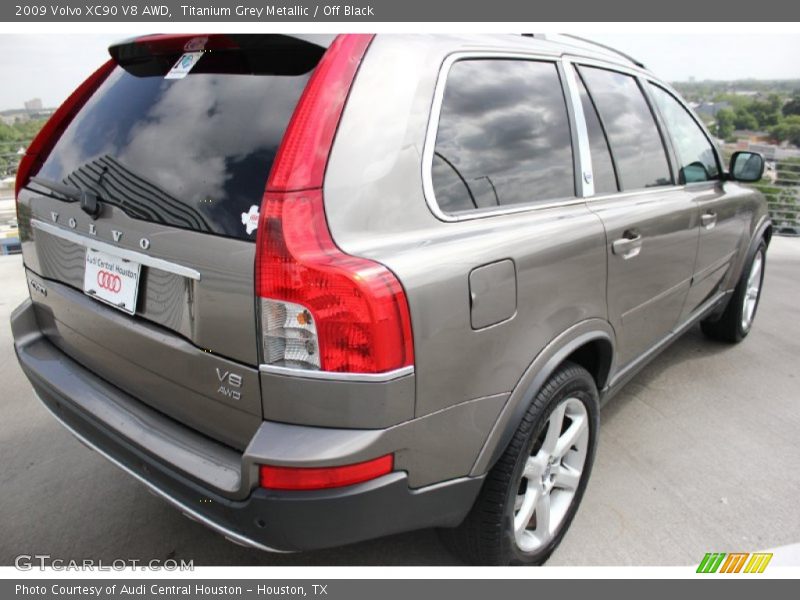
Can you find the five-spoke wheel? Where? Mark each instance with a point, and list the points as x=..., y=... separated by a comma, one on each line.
x=551, y=475
x=532, y=492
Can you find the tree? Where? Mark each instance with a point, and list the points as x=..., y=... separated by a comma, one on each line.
x=12, y=138
x=744, y=119
x=766, y=112
x=792, y=107
x=788, y=130
x=725, y=125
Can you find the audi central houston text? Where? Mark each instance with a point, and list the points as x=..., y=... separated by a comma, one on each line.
x=313, y=290
x=160, y=589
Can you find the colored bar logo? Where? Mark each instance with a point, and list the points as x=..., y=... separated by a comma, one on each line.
x=734, y=562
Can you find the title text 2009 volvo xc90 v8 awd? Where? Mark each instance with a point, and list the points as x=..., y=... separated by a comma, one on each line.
x=349, y=286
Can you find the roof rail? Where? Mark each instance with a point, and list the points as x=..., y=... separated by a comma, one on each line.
x=605, y=47
x=542, y=36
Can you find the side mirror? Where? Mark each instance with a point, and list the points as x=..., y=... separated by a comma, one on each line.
x=747, y=166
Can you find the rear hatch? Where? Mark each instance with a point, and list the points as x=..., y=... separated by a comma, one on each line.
x=156, y=293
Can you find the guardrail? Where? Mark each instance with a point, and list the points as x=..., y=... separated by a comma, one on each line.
x=781, y=186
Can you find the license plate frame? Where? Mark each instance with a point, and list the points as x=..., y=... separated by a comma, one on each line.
x=112, y=280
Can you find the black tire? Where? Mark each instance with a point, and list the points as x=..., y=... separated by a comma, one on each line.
x=486, y=536
x=729, y=326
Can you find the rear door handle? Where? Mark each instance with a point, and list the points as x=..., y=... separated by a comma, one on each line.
x=628, y=246
x=708, y=220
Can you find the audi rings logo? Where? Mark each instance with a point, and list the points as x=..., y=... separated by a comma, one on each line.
x=109, y=281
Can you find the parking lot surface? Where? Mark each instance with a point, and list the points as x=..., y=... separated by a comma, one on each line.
x=699, y=453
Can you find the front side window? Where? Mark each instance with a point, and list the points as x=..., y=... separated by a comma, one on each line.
x=695, y=153
x=503, y=136
x=631, y=129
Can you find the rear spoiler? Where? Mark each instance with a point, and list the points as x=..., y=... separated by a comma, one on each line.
x=130, y=53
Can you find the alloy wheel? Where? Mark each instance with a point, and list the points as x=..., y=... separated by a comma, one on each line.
x=551, y=476
x=750, y=300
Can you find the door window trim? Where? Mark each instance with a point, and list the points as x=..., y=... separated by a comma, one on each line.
x=644, y=78
x=433, y=129
x=641, y=84
x=582, y=162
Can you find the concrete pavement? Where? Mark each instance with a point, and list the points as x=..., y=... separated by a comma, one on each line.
x=699, y=453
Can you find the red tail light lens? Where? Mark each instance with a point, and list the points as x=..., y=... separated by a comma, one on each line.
x=357, y=317
x=42, y=144
x=358, y=306
x=318, y=478
x=303, y=154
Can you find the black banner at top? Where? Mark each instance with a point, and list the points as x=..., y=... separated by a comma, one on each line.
x=374, y=11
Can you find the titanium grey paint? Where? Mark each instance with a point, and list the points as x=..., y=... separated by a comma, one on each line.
x=499, y=298
x=379, y=206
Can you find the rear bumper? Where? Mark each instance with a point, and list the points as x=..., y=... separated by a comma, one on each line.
x=216, y=485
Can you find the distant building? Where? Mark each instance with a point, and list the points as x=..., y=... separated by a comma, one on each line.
x=33, y=105
x=14, y=115
x=20, y=115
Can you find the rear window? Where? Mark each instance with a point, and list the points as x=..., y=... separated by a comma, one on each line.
x=503, y=136
x=193, y=153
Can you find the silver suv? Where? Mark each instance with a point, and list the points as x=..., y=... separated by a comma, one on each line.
x=314, y=289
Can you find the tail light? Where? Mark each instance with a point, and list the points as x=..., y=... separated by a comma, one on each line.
x=316, y=478
x=42, y=144
x=321, y=308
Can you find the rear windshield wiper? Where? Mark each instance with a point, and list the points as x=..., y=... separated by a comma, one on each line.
x=90, y=202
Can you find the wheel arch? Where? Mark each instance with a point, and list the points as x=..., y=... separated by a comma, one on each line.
x=590, y=343
x=762, y=232
x=595, y=356
x=766, y=232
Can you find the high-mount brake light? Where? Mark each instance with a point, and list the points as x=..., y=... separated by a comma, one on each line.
x=322, y=308
x=41, y=145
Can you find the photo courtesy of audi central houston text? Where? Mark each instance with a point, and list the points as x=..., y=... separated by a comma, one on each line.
x=313, y=290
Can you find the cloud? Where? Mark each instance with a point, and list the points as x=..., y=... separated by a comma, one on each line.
x=504, y=131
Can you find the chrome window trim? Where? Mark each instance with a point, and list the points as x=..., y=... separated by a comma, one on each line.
x=584, y=167
x=638, y=192
x=336, y=376
x=608, y=65
x=433, y=128
x=132, y=255
x=646, y=77
x=572, y=95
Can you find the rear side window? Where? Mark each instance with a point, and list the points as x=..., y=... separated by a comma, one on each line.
x=636, y=144
x=192, y=153
x=605, y=180
x=503, y=136
x=695, y=153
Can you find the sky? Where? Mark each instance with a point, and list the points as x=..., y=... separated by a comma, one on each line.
x=51, y=66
